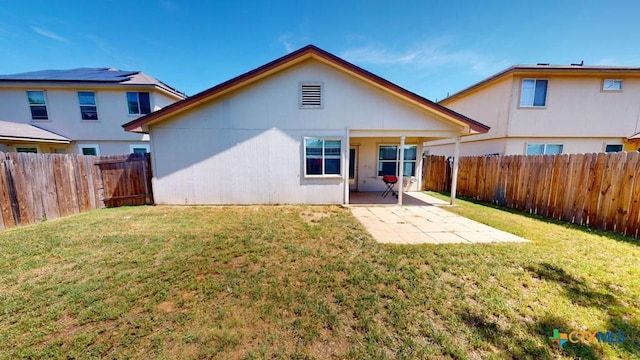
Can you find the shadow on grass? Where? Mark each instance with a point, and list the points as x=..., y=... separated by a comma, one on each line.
x=576, y=290
x=535, y=344
x=581, y=293
x=605, y=233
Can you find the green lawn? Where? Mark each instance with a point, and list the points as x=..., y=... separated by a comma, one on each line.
x=307, y=282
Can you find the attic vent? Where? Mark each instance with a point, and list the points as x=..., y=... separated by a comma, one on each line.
x=311, y=95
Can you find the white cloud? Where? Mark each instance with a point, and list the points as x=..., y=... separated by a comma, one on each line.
x=288, y=42
x=433, y=55
x=49, y=34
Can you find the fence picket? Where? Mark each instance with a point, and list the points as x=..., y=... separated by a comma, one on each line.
x=598, y=190
x=35, y=187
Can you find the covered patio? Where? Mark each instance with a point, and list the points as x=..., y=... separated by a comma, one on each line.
x=370, y=155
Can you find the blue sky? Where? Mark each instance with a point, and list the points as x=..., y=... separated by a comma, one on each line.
x=430, y=47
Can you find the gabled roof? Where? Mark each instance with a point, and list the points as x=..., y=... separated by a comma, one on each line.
x=547, y=70
x=25, y=132
x=307, y=52
x=91, y=75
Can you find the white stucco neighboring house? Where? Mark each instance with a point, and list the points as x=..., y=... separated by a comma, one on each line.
x=78, y=110
x=550, y=109
x=308, y=127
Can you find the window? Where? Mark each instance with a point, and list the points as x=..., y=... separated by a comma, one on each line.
x=89, y=149
x=311, y=95
x=322, y=156
x=139, y=148
x=138, y=103
x=88, y=108
x=38, y=104
x=389, y=160
x=612, y=85
x=27, y=150
x=534, y=93
x=613, y=148
x=544, y=149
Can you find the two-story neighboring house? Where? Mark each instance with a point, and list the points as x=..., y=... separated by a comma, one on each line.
x=548, y=109
x=79, y=110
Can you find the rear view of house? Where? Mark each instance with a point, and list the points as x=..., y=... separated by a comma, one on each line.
x=306, y=128
x=78, y=110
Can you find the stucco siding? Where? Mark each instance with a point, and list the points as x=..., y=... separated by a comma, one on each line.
x=64, y=116
x=471, y=148
x=577, y=106
x=237, y=166
x=246, y=147
x=518, y=146
x=490, y=106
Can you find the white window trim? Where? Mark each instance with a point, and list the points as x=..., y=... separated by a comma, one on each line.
x=397, y=161
x=304, y=157
x=546, y=97
x=544, y=150
x=95, y=99
x=139, y=114
x=15, y=147
x=95, y=146
x=615, y=144
x=318, y=83
x=46, y=104
x=133, y=146
x=612, y=90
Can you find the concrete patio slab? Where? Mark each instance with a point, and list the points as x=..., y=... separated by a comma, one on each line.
x=425, y=224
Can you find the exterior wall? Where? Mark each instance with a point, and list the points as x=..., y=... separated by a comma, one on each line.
x=632, y=146
x=578, y=114
x=247, y=147
x=577, y=107
x=64, y=115
x=470, y=148
x=237, y=167
x=490, y=106
x=518, y=146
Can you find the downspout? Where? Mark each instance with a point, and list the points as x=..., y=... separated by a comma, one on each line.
x=454, y=172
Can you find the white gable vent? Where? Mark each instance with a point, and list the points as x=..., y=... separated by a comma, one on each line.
x=311, y=95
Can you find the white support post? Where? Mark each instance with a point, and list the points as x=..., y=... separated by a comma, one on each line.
x=420, y=165
x=454, y=171
x=401, y=170
x=345, y=167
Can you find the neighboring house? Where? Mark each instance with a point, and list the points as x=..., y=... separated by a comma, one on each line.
x=78, y=110
x=546, y=109
x=305, y=128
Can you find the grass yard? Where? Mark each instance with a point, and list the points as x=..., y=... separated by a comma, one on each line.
x=307, y=282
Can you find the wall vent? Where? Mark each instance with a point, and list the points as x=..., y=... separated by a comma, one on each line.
x=311, y=95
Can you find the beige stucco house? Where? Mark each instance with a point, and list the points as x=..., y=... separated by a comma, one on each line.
x=305, y=128
x=78, y=110
x=546, y=109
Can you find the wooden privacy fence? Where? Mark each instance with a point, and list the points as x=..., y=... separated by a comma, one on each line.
x=37, y=187
x=597, y=190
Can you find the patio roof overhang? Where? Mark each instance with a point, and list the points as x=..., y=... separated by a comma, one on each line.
x=429, y=134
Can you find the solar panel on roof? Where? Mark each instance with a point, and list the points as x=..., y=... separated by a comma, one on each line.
x=80, y=74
